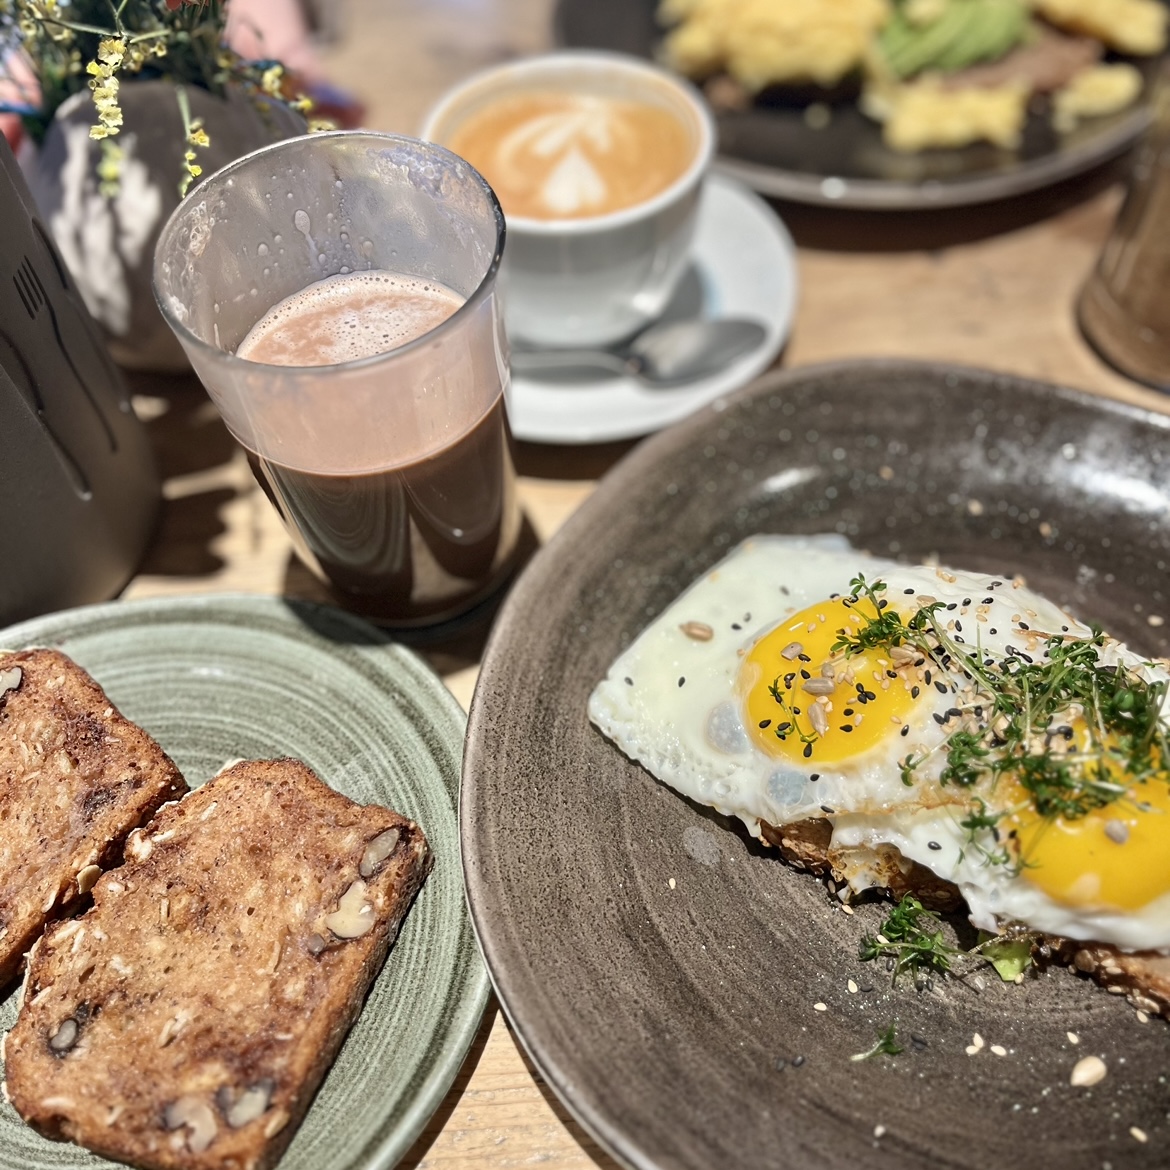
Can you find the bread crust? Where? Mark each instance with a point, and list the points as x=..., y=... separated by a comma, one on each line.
x=75, y=778
x=209, y=988
x=1143, y=976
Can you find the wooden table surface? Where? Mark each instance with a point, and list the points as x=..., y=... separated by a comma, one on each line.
x=992, y=286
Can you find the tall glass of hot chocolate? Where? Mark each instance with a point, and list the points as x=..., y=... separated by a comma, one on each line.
x=336, y=295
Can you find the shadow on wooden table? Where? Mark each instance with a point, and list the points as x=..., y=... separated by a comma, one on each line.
x=456, y=1101
x=190, y=443
x=841, y=229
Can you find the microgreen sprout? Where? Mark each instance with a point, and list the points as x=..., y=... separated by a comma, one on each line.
x=886, y=1045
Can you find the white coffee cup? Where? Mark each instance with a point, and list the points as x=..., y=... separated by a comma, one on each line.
x=592, y=280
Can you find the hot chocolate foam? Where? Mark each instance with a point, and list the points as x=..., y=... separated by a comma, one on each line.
x=347, y=317
x=556, y=155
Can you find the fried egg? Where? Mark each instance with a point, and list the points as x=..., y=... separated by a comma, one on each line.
x=766, y=692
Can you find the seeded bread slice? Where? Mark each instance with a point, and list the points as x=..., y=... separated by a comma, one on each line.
x=75, y=778
x=1142, y=977
x=187, y=1019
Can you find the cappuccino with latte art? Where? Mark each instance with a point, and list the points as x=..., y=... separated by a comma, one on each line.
x=598, y=162
x=551, y=154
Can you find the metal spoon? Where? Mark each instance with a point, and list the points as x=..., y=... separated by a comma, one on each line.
x=667, y=354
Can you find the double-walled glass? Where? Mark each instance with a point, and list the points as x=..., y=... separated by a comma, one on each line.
x=393, y=473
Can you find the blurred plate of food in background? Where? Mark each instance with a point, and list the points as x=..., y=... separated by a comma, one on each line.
x=900, y=104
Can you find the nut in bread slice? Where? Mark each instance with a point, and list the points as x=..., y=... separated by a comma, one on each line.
x=187, y=1019
x=75, y=778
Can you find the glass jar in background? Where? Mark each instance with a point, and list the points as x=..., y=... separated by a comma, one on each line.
x=1124, y=309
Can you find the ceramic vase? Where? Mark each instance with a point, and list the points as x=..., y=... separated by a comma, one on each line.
x=108, y=242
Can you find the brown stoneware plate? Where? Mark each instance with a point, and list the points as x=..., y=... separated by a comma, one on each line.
x=662, y=968
x=773, y=148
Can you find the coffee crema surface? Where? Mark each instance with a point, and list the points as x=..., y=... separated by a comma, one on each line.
x=549, y=154
x=347, y=317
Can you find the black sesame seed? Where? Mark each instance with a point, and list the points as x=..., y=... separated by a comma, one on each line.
x=882, y=605
x=941, y=687
x=795, y=710
x=807, y=750
x=805, y=674
x=804, y=658
x=1024, y=626
x=919, y=1042
x=891, y=674
x=736, y=626
x=906, y=730
x=939, y=719
x=1064, y=629
x=747, y=617
x=797, y=1061
x=958, y=625
x=846, y=727
x=954, y=713
x=989, y=601
x=681, y=681
x=907, y=591
x=993, y=630
x=870, y=696
x=766, y=723
x=847, y=711
x=788, y=680
x=867, y=988
x=926, y=675
x=953, y=605
x=933, y=845
x=782, y=727
x=780, y=1063
x=784, y=590
x=629, y=682
x=815, y=777
x=915, y=691
x=966, y=601
x=827, y=809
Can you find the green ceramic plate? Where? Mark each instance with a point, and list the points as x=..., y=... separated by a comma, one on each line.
x=212, y=678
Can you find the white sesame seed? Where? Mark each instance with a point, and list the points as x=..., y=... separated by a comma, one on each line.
x=847, y=909
x=820, y=1007
x=1143, y=1018
x=1138, y=1135
x=999, y=1050
x=972, y=1050
x=1073, y=1038
x=878, y=1130
x=977, y=1040
x=1089, y=1070
x=671, y=883
x=1156, y=619
x=853, y=988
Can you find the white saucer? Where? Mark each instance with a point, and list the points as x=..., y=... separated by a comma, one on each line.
x=743, y=265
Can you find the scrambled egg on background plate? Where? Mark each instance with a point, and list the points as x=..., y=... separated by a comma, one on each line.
x=937, y=73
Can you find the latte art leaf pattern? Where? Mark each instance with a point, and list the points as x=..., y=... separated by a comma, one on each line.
x=553, y=155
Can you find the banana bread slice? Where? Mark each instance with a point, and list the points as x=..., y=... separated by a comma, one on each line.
x=188, y=1017
x=75, y=778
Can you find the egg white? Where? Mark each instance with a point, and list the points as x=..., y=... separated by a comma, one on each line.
x=670, y=701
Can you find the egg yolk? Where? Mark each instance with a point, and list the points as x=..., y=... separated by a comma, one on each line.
x=1115, y=857
x=811, y=706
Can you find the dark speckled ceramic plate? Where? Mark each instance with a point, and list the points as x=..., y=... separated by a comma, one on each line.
x=214, y=678
x=657, y=963
x=773, y=149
